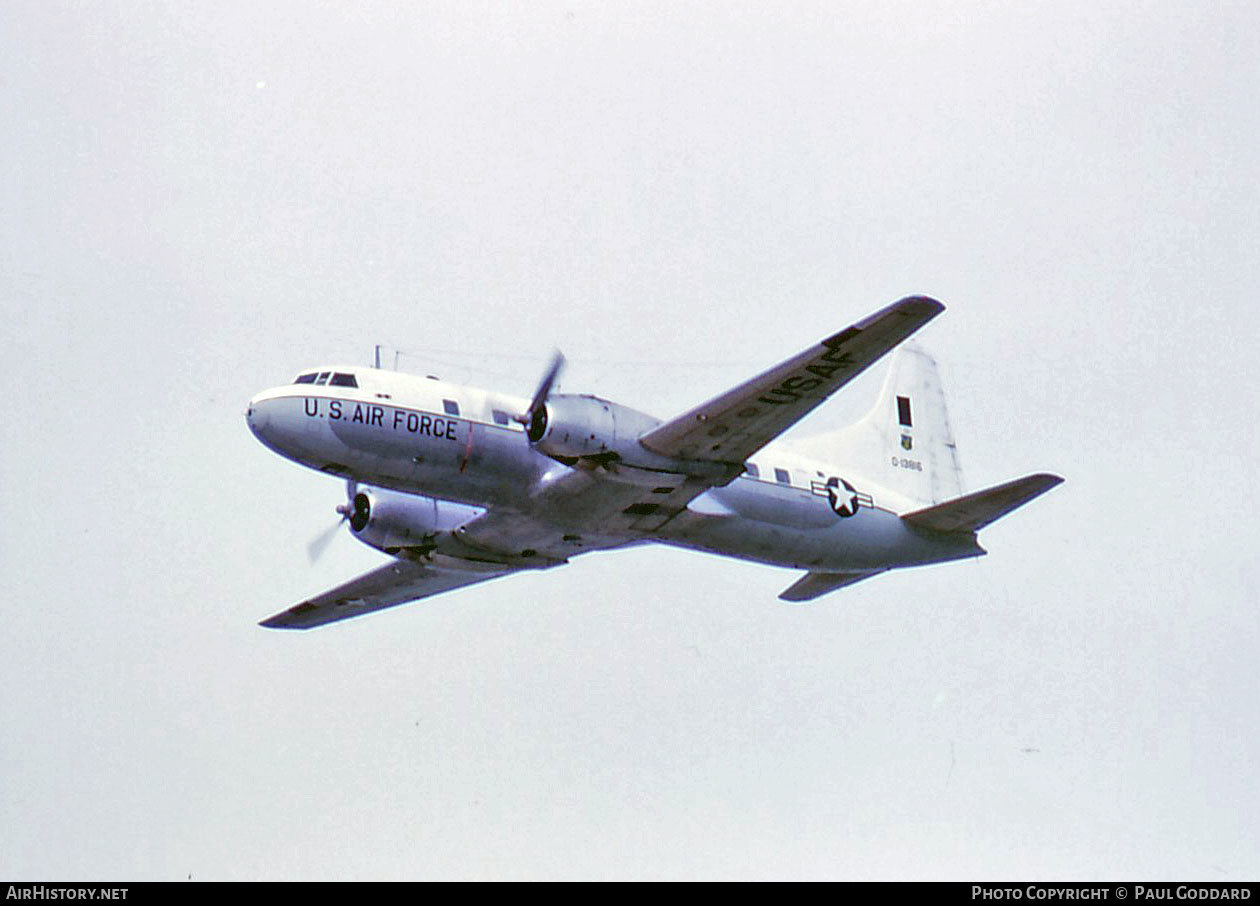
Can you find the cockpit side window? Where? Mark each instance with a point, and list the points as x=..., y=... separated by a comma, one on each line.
x=308, y=378
x=343, y=380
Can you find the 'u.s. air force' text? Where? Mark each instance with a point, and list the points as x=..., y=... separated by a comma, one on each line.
x=380, y=416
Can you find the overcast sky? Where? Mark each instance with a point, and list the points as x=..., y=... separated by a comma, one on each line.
x=198, y=201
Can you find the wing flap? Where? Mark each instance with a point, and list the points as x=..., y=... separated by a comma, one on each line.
x=816, y=584
x=388, y=586
x=731, y=427
x=972, y=512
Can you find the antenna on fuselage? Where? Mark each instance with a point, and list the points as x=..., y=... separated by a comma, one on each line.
x=378, y=356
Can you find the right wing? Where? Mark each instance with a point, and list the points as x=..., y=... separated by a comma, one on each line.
x=387, y=586
x=731, y=427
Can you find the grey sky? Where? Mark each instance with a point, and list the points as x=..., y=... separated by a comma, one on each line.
x=199, y=201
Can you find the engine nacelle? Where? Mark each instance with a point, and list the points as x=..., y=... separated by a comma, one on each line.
x=575, y=426
x=569, y=428
x=391, y=521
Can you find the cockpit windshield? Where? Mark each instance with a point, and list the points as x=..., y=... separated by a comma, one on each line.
x=333, y=379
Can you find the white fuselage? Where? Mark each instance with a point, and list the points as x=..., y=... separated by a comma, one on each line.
x=456, y=443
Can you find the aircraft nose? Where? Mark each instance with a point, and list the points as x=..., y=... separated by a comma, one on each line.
x=256, y=416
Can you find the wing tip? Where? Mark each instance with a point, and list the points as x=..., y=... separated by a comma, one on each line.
x=920, y=306
x=1045, y=481
x=289, y=619
x=918, y=309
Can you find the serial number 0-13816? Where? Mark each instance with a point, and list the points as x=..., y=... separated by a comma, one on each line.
x=912, y=464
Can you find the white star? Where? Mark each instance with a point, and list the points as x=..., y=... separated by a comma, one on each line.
x=845, y=505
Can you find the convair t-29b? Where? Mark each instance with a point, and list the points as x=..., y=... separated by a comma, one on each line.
x=460, y=485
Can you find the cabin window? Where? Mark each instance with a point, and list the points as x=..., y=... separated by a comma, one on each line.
x=450, y=407
x=782, y=477
x=501, y=417
x=750, y=468
x=343, y=380
x=308, y=378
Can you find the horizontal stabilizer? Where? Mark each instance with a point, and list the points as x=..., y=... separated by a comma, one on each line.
x=972, y=512
x=815, y=585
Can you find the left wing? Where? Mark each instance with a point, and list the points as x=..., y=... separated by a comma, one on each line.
x=733, y=426
x=392, y=584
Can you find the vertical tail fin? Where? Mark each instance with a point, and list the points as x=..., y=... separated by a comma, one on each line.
x=904, y=444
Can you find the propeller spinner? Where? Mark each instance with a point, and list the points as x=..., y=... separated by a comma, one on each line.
x=355, y=509
x=535, y=418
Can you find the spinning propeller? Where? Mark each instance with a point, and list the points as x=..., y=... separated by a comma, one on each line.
x=356, y=509
x=535, y=418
